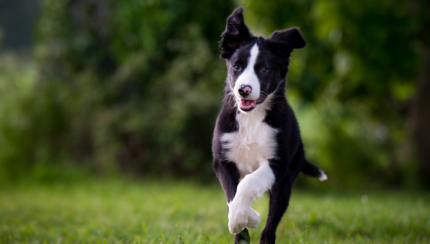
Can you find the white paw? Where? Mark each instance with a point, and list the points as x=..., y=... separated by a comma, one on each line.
x=253, y=219
x=237, y=217
x=241, y=216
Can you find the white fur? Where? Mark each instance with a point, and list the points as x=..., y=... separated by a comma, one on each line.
x=254, y=142
x=253, y=185
x=250, y=148
x=322, y=176
x=240, y=216
x=248, y=76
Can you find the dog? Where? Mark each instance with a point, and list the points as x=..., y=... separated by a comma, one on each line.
x=256, y=144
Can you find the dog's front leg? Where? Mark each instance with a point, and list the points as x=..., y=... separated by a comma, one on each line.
x=254, y=185
x=229, y=177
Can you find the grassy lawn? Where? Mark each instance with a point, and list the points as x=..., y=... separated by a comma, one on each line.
x=121, y=212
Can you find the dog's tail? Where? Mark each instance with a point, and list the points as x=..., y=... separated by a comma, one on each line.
x=311, y=170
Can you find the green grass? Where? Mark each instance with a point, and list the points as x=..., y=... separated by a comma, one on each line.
x=125, y=212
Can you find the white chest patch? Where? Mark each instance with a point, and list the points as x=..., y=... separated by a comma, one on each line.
x=254, y=143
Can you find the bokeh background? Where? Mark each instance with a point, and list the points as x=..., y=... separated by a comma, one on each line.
x=107, y=110
x=132, y=88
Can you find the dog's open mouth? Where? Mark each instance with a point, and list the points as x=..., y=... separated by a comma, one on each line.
x=248, y=105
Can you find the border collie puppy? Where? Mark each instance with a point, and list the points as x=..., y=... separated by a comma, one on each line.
x=256, y=144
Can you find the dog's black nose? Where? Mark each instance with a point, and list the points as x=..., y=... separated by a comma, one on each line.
x=245, y=90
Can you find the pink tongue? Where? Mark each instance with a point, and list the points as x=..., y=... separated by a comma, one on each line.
x=247, y=103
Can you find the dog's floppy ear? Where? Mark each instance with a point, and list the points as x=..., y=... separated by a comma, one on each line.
x=283, y=42
x=235, y=35
x=289, y=38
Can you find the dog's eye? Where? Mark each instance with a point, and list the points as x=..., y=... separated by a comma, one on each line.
x=236, y=67
x=264, y=69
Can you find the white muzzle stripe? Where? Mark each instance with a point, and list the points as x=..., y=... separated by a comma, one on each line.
x=248, y=76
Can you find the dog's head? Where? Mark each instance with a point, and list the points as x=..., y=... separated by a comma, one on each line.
x=256, y=65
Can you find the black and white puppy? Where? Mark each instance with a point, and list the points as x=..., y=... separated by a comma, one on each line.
x=257, y=145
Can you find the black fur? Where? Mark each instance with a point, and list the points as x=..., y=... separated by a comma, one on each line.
x=235, y=35
x=274, y=52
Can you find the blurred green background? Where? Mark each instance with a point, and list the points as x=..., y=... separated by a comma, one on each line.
x=132, y=88
x=107, y=110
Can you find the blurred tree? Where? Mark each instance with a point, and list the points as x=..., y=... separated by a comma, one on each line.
x=360, y=65
x=419, y=119
x=143, y=80
x=136, y=85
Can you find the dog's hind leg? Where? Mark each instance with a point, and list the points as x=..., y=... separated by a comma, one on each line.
x=278, y=204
